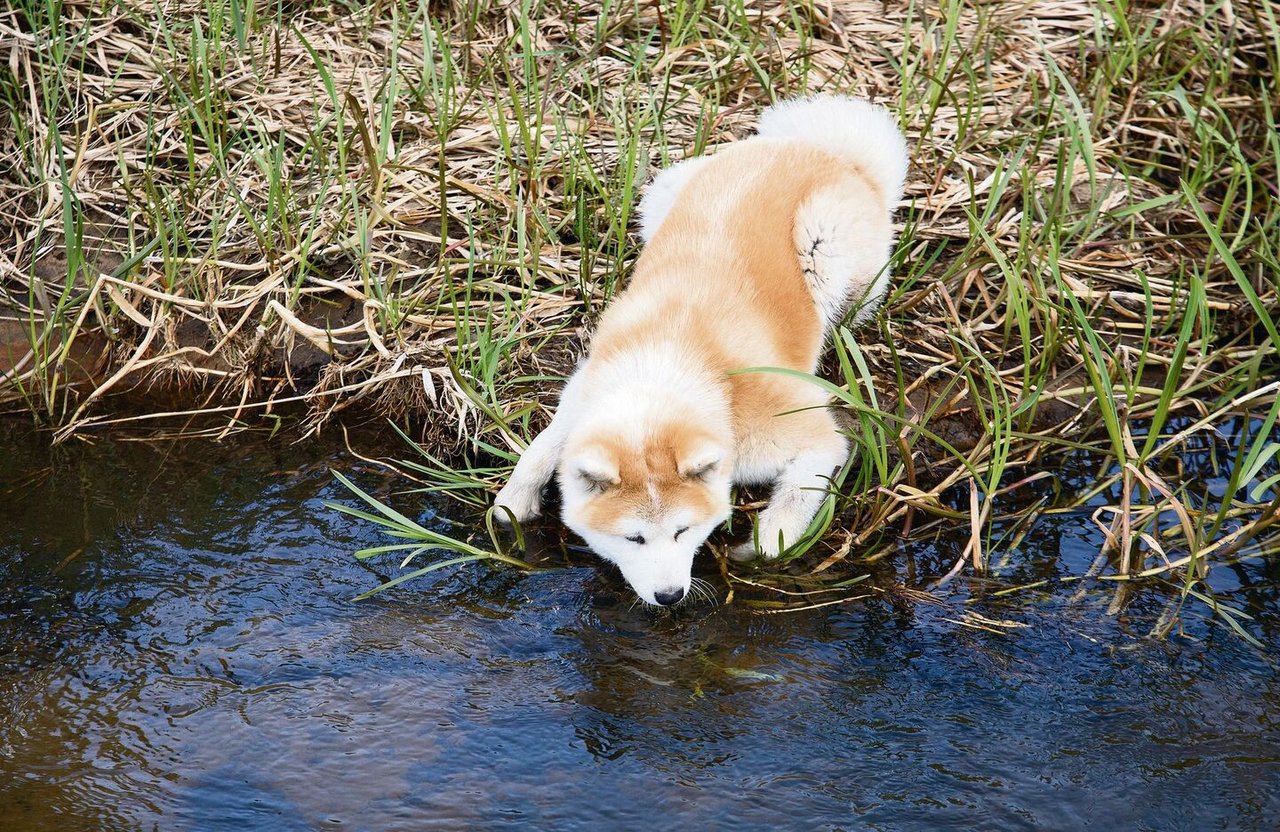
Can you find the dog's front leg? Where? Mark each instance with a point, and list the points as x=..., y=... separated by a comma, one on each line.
x=522, y=495
x=797, y=495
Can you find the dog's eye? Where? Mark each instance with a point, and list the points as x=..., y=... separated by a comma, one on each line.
x=679, y=532
x=637, y=538
x=594, y=483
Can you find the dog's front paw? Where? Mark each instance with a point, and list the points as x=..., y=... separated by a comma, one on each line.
x=748, y=550
x=519, y=502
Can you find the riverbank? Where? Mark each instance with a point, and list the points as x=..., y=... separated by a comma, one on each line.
x=414, y=211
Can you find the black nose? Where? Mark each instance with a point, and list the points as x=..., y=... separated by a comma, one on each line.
x=669, y=597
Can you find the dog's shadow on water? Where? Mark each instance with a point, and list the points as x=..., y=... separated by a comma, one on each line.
x=698, y=648
x=689, y=689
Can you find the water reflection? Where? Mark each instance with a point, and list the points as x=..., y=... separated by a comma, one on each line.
x=177, y=651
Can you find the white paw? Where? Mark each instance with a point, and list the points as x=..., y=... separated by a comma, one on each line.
x=523, y=501
x=780, y=525
x=769, y=542
x=747, y=549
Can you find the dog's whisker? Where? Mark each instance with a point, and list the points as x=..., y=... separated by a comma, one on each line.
x=704, y=590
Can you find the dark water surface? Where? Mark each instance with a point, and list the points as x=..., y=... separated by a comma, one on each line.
x=178, y=651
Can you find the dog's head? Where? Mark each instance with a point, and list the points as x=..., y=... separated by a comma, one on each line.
x=647, y=503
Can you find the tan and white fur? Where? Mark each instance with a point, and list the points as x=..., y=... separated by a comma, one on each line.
x=751, y=256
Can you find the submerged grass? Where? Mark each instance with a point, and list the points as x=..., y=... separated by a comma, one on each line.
x=416, y=208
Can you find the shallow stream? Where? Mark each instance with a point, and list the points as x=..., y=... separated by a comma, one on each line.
x=179, y=651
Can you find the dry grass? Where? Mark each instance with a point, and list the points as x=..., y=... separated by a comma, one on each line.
x=418, y=208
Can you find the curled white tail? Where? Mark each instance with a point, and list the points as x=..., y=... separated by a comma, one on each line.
x=854, y=128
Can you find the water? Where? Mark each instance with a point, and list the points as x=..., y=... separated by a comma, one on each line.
x=178, y=652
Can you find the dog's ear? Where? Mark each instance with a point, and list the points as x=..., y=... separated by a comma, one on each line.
x=595, y=466
x=698, y=458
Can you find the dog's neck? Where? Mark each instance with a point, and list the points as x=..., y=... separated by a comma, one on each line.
x=653, y=383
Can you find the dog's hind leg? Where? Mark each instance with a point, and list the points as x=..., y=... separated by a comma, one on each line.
x=843, y=238
x=662, y=193
x=522, y=495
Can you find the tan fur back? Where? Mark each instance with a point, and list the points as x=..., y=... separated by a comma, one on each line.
x=722, y=277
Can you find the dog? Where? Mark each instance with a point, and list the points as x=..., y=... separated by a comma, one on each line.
x=751, y=257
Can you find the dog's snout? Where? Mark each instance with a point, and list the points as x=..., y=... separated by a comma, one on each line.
x=669, y=596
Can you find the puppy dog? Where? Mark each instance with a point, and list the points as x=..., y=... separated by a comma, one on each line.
x=751, y=256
